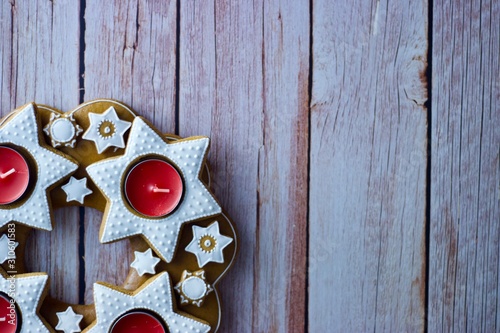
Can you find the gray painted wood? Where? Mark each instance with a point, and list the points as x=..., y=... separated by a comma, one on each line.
x=244, y=82
x=465, y=189
x=368, y=167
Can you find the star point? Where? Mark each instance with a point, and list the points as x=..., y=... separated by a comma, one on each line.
x=69, y=321
x=208, y=243
x=76, y=189
x=7, y=249
x=145, y=262
x=106, y=130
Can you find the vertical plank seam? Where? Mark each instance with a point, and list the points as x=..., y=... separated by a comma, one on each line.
x=309, y=141
x=177, y=66
x=81, y=231
x=428, y=201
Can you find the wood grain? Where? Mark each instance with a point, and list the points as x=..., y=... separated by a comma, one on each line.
x=130, y=49
x=243, y=81
x=368, y=167
x=39, y=61
x=465, y=185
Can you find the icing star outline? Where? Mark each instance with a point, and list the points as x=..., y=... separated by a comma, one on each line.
x=22, y=130
x=208, y=243
x=76, y=189
x=154, y=295
x=28, y=294
x=106, y=130
x=145, y=262
x=69, y=321
x=161, y=233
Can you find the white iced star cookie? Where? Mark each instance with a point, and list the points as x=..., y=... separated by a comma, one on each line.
x=145, y=262
x=76, y=189
x=155, y=295
x=21, y=129
x=208, y=243
x=7, y=249
x=69, y=321
x=193, y=287
x=62, y=130
x=28, y=292
x=106, y=130
x=161, y=233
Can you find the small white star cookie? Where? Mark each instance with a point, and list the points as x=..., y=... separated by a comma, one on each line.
x=208, y=243
x=145, y=262
x=193, y=287
x=7, y=249
x=106, y=130
x=27, y=295
x=154, y=295
x=22, y=130
x=69, y=321
x=62, y=130
x=76, y=189
x=161, y=233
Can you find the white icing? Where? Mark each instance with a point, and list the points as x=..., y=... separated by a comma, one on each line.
x=62, y=130
x=4, y=249
x=22, y=130
x=156, y=296
x=206, y=237
x=76, y=189
x=161, y=233
x=69, y=321
x=111, y=125
x=27, y=294
x=145, y=262
x=194, y=288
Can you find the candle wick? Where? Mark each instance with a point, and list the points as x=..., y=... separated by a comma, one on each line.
x=8, y=173
x=160, y=190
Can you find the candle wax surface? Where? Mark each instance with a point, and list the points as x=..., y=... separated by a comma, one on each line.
x=8, y=316
x=154, y=188
x=138, y=322
x=15, y=171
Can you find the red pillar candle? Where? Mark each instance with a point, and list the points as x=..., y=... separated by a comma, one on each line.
x=154, y=188
x=14, y=175
x=138, y=322
x=8, y=315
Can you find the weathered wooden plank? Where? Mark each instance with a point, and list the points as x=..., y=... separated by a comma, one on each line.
x=368, y=167
x=465, y=183
x=244, y=81
x=39, y=59
x=130, y=56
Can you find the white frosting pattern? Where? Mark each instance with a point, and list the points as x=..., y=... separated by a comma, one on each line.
x=208, y=243
x=69, y=321
x=76, y=189
x=156, y=296
x=193, y=287
x=106, y=130
x=27, y=294
x=145, y=262
x=4, y=249
x=62, y=130
x=22, y=130
x=161, y=233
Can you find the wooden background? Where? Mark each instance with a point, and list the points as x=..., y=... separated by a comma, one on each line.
x=356, y=145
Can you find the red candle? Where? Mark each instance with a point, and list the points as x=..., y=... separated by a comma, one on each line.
x=138, y=322
x=154, y=188
x=8, y=315
x=14, y=175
